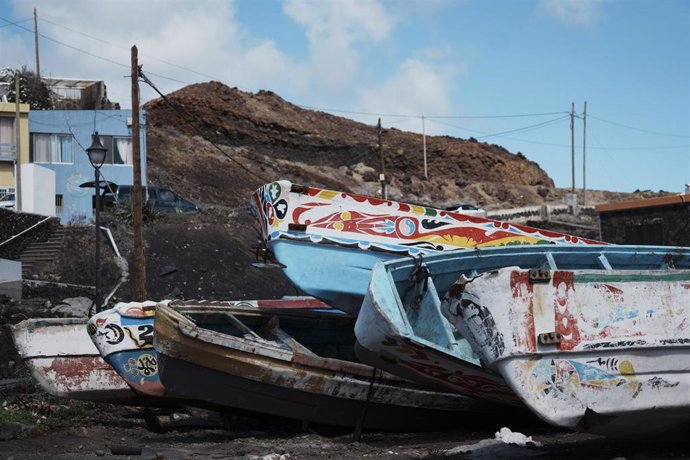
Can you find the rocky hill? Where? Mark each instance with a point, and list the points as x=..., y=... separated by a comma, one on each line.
x=215, y=144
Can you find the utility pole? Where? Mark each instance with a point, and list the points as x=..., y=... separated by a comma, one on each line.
x=426, y=176
x=572, y=144
x=584, y=157
x=38, y=66
x=139, y=260
x=17, y=147
x=382, y=171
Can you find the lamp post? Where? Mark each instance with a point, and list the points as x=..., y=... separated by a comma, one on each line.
x=96, y=153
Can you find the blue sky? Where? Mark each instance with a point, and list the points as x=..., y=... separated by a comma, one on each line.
x=504, y=72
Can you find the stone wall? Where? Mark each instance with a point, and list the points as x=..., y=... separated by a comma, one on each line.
x=12, y=223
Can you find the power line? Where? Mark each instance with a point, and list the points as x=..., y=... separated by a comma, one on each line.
x=638, y=129
x=177, y=106
x=125, y=49
x=15, y=23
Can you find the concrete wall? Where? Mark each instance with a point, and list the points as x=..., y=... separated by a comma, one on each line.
x=38, y=190
x=11, y=278
x=77, y=202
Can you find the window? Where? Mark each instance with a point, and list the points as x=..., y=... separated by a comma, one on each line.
x=6, y=191
x=119, y=150
x=52, y=148
x=58, y=205
x=7, y=147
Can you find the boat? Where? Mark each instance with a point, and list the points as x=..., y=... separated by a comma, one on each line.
x=603, y=351
x=402, y=328
x=124, y=336
x=322, y=235
x=291, y=363
x=66, y=364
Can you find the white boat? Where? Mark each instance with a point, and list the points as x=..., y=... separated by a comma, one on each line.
x=603, y=351
x=65, y=362
x=401, y=327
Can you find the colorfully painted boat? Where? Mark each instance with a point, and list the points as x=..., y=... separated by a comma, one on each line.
x=323, y=235
x=124, y=336
x=401, y=327
x=65, y=362
x=604, y=351
x=291, y=363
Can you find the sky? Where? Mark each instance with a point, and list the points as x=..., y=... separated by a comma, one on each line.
x=504, y=72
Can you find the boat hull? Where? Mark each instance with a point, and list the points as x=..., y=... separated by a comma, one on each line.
x=223, y=371
x=66, y=364
x=403, y=329
x=603, y=351
x=349, y=233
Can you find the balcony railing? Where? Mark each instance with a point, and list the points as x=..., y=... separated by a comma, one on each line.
x=8, y=152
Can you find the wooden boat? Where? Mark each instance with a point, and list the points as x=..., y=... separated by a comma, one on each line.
x=605, y=351
x=66, y=364
x=124, y=336
x=290, y=363
x=401, y=327
x=323, y=235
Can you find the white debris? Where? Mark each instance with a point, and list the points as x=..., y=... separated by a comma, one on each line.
x=270, y=457
x=509, y=437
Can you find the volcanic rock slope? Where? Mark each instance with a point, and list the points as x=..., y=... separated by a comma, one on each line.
x=216, y=144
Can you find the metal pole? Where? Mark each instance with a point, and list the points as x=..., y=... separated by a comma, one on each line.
x=97, y=300
x=38, y=66
x=426, y=175
x=584, y=157
x=572, y=143
x=382, y=171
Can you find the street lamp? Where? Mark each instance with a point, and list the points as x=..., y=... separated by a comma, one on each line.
x=96, y=153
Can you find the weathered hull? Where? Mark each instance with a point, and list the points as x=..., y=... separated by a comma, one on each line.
x=124, y=337
x=220, y=370
x=401, y=327
x=66, y=364
x=320, y=223
x=604, y=351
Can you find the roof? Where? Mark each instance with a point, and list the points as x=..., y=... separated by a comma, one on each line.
x=646, y=203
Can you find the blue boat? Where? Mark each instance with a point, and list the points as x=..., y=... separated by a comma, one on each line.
x=402, y=329
x=328, y=241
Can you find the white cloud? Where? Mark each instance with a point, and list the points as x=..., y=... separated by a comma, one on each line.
x=334, y=30
x=202, y=36
x=578, y=12
x=417, y=88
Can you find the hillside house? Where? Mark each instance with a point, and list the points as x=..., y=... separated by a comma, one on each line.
x=660, y=221
x=58, y=139
x=9, y=157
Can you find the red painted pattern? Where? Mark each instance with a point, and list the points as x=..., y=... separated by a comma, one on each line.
x=566, y=323
x=470, y=384
x=522, y=288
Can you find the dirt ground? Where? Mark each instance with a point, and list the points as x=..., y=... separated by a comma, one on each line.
x=81, y=430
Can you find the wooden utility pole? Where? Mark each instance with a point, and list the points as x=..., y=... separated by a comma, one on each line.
x=584, y=156
x=426, y=175
x=572, y=144
x=38, y=65
x=139, y=272
x=382, y=171
x=17, y=147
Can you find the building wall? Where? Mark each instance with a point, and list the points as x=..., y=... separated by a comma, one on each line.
x=8, y=109
x=38, y=190
x=77, y=202
x=662, y=225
